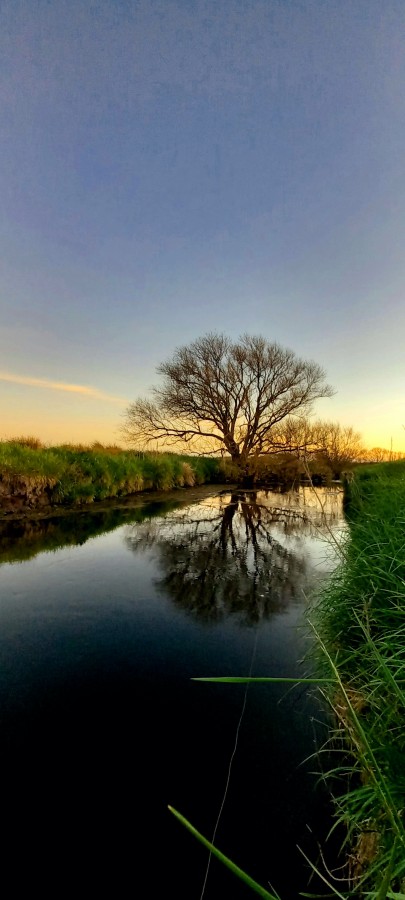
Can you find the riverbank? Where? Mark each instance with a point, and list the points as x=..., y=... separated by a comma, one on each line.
x=361, y=623
x=45, y=478
x=40, y=480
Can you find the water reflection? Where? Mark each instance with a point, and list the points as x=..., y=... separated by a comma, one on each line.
x=23, y=539
x=96, y=692
x=245, y=553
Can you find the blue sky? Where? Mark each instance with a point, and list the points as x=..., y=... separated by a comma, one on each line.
x=171, y=168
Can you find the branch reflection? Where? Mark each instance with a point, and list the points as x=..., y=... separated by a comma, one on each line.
x=243, y=553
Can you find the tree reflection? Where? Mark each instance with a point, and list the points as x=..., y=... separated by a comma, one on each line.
x=235, y=554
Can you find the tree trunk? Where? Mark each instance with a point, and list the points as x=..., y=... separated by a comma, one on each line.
x=246, y=472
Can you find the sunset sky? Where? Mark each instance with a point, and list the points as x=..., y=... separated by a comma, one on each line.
x=169, y=168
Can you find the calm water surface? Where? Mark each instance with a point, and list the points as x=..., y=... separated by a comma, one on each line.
x=105, y=617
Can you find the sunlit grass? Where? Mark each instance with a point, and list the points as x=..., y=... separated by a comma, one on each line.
x=79, y=474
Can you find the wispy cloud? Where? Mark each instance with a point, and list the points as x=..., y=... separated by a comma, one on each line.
x=81, y=389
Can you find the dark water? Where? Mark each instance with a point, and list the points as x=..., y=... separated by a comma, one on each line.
x=101, y=724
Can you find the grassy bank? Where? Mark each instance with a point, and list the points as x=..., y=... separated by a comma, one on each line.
x=78, y=475
x=361, y=622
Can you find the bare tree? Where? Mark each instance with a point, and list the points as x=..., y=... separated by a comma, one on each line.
x=220, y=395
x=234, y=557
x=337, y=445
x=377, y=454
x=297, y=435
x=340, y=446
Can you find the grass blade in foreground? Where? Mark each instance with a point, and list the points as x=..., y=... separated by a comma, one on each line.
x=240, y=679
x=224, y=859
x=334, y=890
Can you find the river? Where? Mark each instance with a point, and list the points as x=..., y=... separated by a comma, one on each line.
x=106, y=616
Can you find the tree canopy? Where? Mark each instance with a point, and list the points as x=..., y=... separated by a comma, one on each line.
x=222, y=395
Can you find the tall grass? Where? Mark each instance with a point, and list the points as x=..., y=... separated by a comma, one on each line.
x=77, y=474
x=360, y=622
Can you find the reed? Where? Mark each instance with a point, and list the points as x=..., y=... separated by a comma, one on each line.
x=360, y=624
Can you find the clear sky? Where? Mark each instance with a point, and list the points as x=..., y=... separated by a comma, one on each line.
x=170, y=168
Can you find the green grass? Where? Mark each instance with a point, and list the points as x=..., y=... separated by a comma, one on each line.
x=77, y=475
x=360, y=621
x=236, y=870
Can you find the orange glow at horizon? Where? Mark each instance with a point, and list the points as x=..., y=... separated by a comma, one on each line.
x=66, y=412
x=51, y=429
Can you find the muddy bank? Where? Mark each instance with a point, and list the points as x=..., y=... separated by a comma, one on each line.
x=21, y=494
